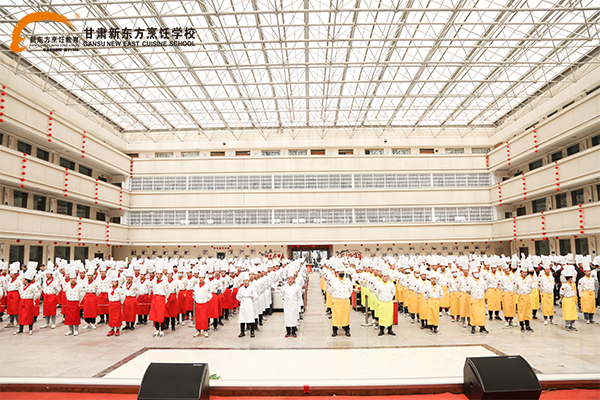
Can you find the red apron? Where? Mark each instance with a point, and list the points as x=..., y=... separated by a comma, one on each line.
x=3, y=303
x=50, y=301
x=228, y=299
x=114, y=314
x=129, y=306
x=220, y=298
x=172, y=305
x=157, y=311
x=103, y=303
x=202, y=316
x=26, y=312
x=236, y=303
x=182, y=301
x=213, y=307
x=90, y=305
x=143, y=304
x=36, y=307
x=189, y=301
x=71, y=310
x=12, y=302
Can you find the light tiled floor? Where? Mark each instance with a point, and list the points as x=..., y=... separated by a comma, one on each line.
x=48, y=353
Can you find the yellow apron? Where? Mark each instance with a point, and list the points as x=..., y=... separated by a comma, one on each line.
x=322, y=284
x=535, y=299
x=524, y=305
x=413, y=306
x=477, y=312
x=455, y=304
x=405, y=296
x=399, y=294
x=328, y=300
x=464, y=305
x=569, y=308
x=445, y=301
x=386, y=313
x=376, y=306
x=548, y=304
x=433, y=311
x=340, y=312
x=588, y=302
x=509, y=306
x=493, y=299
x=363, y=293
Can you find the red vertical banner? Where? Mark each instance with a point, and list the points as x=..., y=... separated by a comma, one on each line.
x=107, y=232
x=557, y=174
x=131, y=168
x=79, y=232
x=2, y=101
x=50, y=119
x=524, y=188
x=487, y=160
x=507, y=152
x=581, y=219
x=23, y=166
x=96, y=191
x=535, y=141
x=499, y=194
x=515, y=229
x=544, y=227
x=66, y=181
x=121, y=199
x=83, y=144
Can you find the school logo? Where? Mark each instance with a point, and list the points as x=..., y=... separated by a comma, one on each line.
x=15, y=45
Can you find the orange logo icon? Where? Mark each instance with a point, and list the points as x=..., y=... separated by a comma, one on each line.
x=15, y=45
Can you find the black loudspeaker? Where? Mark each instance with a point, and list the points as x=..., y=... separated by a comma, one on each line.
x=508, y=377
x=175, y=381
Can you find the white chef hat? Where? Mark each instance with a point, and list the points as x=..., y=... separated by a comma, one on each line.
x=14, y=268
x=569, y=270
x=29, y=274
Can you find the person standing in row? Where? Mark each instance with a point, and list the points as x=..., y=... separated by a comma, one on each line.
x=291, y=294
x=341, y=290
x=246, y=296
x=160, y=291
x=477, y=288
x=13, y=299
x=73, y=295
x=433, y=294
x=547, y=284
x=29, y=291
x=568, y=295
x=524, y=286
x=50, y=291
x=385, y=290
x=115, y=302
x=130, y=293
x=587, y=296
x=90, y=299
x=202, y=295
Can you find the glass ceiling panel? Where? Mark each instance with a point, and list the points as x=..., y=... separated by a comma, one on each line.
x=267, y=64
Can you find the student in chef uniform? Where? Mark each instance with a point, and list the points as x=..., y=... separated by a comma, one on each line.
x=341, y=290
x=90, y=299
x=29, y=291
x=464, y=290
x=422, y=284
x=508, y=287
x=246, y=296
x=50, y=291
x=291, y=294
x=172, y=307
x=568, y=295
x=73, y=295
x=454, y=294
x=130, y=291
x=547, y=284
x=442, y=278
x=12, y=294
x=433, y=294
x=385, y=290
x=477, y=288
x=142, y=307
x=535, y=288
x=116, y=296
x=160, y=293
x=524, y=285
x=586, y=294
x=492, y=280
x=202, y=295
x=104, y=286
x=3, y=278
x=183, y=292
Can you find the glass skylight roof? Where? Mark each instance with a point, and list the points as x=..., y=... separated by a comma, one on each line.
x=290, y=64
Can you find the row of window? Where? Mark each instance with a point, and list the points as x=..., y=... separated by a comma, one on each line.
x=36, y=253
x=42, y=203
x=561, y=200
x=315, y=152
x=24, y=147
x=317, y=216
x=559, y=155
x=308, y=181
